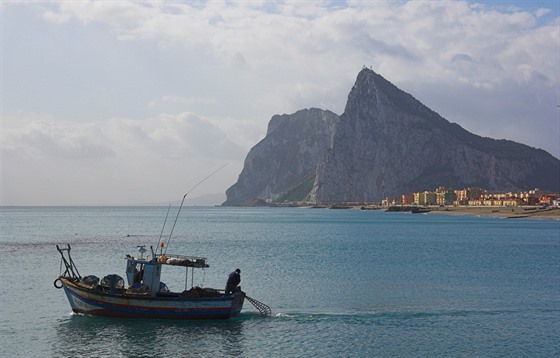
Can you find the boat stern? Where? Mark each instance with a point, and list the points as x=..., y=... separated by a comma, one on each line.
x=237, y=303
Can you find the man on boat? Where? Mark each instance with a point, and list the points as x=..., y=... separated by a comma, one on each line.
x=233, y=280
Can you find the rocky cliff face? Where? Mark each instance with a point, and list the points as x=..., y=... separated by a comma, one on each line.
x=284, y=163
x=386, y=143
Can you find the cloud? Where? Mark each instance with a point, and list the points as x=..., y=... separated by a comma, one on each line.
x=57, y=17
x=142, y=88
x=181, y=100
x=166, y=135
x=416, y=38
x=128, y=156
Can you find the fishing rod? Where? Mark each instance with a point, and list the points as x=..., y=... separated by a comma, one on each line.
x=161, y=234
x=183, y=201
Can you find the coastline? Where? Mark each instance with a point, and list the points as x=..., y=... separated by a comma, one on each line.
x=499, y=211
x=508, y=212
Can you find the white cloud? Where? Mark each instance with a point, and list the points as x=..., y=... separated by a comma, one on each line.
x=421, y=36
x=133, y=83
x=58, y=18
x=541, y=12
x=120, y=153
x=43, y=139
x=166, y=135
x=181, y=100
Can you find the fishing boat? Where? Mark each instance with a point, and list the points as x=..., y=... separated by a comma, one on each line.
x=144, y=295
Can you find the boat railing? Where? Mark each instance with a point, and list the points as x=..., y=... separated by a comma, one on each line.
x=182, y=260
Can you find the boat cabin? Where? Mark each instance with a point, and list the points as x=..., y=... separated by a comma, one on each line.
x=144, y=274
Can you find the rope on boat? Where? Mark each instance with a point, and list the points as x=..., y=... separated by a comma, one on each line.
x=263, y=309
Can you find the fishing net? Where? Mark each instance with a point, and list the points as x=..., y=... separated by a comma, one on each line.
x=113, y=282
x=90, y=280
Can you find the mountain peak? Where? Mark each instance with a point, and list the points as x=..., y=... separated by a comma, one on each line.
x=386, y=143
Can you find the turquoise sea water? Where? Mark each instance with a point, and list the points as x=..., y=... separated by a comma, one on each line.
x=341, y=283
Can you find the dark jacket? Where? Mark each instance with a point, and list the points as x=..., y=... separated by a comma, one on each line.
x=234, y=279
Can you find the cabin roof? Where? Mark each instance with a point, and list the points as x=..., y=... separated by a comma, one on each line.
x=174, y=260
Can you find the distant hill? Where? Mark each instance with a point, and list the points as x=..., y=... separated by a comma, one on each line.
x=203, y=200
x=206, y=200
x=386, y=143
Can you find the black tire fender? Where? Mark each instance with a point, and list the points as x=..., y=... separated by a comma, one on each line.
x=57, y=286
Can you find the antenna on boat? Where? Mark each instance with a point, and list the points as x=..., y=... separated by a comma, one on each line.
x=183, y=201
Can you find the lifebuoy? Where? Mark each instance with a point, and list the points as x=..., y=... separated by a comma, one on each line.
x=55, y=285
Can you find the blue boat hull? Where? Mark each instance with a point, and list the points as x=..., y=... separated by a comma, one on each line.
x=85, y=300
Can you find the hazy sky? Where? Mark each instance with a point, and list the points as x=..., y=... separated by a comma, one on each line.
x=123, y=102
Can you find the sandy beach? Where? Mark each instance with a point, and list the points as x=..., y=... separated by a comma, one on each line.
x=500, y=211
